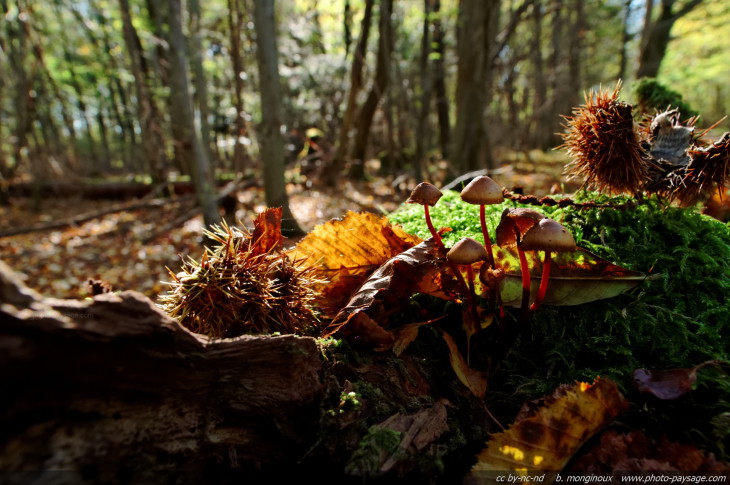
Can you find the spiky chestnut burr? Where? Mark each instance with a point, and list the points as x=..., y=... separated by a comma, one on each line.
x=605, y=146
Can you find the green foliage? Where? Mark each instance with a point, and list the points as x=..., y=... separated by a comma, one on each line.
x=379, y=442
x=679, y=319
x=651, y=95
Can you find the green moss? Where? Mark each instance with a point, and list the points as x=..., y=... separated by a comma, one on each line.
x=679, y=319
x=379, y=443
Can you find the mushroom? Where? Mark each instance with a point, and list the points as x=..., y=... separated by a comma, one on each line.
x=511, y=229
x=548, y=236
x=427, y=195
x=483, y=191
x=467, y=252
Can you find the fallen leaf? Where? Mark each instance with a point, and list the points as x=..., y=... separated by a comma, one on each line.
x=267, y=231
x=576, y=277
x=539, y=446
x=473, y=379
x=345, y=252
x=668, y=384
x=636, y=452
x=416, y=270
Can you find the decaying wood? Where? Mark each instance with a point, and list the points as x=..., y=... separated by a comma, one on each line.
x=112, y=390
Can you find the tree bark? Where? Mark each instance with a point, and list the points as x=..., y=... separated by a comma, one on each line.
x=202, y=173
x=271, y=140
x=382, y=76
x=477, y=26
x=657, y=34
x=199, y=82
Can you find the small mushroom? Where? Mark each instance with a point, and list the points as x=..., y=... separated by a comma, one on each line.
x=548, y=236
x=483, y=191
x=427, y=195
x=511, y=229
x=467, y=252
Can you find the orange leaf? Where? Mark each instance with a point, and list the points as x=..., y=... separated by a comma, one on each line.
x=345, y=252
x=538, y=447
x=267, y=232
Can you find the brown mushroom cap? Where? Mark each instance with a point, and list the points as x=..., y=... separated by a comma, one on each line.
x=520, y=219
x=548, y=235
x=424, y=194
x=483, y=191
x=467, y=251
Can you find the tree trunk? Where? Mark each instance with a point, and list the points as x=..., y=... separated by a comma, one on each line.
x=358, y=61
x=441, y=98
x=477, y=26
x=424, y=66
x=382, y=76
x=202, y=173
x=153, y=145
x=271, y=143
x=235, y=26
x=656, y=35
x=199, y=83
x=625, y=39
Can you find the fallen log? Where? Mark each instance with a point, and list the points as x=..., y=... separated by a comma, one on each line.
x=112, y=390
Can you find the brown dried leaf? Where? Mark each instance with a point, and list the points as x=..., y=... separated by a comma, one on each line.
x=345, y=252
x=416, y=270
x=267, y=232
x=636, y=452
x=541, y=445
x=668, y=384
x=475, y=380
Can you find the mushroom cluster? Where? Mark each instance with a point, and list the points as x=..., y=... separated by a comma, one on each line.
x=521, y=228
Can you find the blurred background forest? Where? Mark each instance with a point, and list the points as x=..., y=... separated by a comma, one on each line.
x=224, y=106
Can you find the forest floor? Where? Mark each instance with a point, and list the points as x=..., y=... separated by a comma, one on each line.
x=117, y=249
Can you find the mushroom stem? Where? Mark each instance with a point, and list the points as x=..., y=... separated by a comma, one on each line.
x=434, y=232
x=471, y=309
x=543, y=282
x=485, y=233
x=525, y=269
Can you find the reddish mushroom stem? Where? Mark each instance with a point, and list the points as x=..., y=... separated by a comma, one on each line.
x=525, y=269
x=543, y=282
x=485, y=233
x=442, y=251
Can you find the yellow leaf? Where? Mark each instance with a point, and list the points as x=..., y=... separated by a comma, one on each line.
x=538, y=447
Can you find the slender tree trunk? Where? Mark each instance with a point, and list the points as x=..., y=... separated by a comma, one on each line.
x=657, y=34
x=356, y=81
x=426, y=89
x=477, y=25
x=153, y=146
x=541, y=125
x=441, y=98
x=180, y=87
x=199, y=83
x=347, y=27
x=235, y=26
x=625, y=39
x=271, y=142
x=382, y=77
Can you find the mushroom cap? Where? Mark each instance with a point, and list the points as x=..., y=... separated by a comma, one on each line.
x=482, y=190
x=548, y=235
x=424, y=194
x=518, y=219
x=467, y=251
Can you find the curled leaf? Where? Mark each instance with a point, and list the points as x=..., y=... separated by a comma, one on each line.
x=417, y=270
x=475, y=380
x=345, y=252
